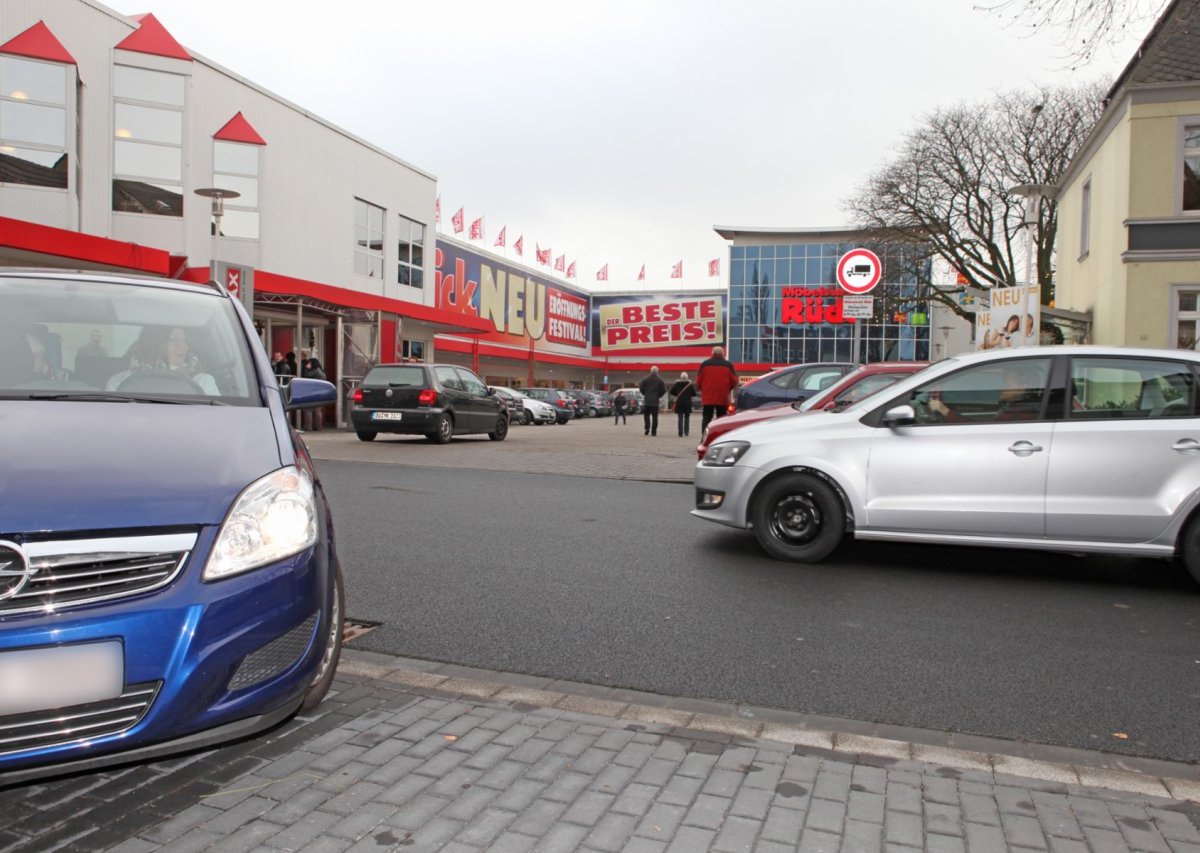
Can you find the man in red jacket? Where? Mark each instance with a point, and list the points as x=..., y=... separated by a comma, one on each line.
x=716, y=380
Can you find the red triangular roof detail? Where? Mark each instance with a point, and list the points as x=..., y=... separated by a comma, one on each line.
x=237, y=129
x=152, y=37
x=38, y=42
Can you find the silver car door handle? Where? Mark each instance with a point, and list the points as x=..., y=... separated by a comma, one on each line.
x=1186, y=445
x=1024, y=448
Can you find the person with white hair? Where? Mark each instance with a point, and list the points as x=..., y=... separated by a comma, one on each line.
x=653, y=389
x=682, y=394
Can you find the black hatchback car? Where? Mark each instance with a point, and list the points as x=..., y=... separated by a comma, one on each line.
x=438, y=401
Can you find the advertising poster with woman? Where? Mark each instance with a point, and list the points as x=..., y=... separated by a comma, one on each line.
x=1013, y=320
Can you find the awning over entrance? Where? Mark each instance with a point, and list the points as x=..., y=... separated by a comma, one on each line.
x=49, y=246
x=446, y=321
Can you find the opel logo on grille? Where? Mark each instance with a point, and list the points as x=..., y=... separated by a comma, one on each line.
x=15, y=570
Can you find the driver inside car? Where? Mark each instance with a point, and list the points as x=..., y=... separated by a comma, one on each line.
x=163, y=350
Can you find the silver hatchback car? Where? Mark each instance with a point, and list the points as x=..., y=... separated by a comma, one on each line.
x=1080, y=449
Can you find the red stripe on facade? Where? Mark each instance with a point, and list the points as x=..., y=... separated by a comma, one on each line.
x=38, y=42
x=61, y=243
x=237, y=129
x=152, y=37
x=497, y=351
x=268, y=282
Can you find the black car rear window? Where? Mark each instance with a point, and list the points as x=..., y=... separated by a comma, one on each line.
x=412, y=376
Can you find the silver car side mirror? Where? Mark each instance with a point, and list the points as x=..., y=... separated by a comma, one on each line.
x=900, y=416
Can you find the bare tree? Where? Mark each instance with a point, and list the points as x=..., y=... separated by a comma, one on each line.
x=950, y=187
x=1081, y=26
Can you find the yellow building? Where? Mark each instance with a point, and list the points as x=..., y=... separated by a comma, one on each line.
x=1129, y=204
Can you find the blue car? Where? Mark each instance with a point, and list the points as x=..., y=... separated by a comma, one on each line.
x=789, y=384
x=168, y=578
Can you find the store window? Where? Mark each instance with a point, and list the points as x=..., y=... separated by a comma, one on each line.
x=36, y=124
x=1187, y=317
x=410, y=253
x=1191, y=167
x=235, y=167
x=368, y=239
x=148, y=141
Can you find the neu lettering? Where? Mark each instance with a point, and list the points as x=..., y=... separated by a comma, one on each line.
x=521, y=300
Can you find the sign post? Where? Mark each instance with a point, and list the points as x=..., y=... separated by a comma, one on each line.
x=858, y=271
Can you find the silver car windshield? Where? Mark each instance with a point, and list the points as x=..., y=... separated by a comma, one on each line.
x=63, y=338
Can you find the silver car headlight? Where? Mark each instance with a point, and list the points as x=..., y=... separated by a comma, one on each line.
x=726, y=453
x=275, y=517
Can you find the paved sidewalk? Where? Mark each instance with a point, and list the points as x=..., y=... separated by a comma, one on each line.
x=414, y=756
x=588, y=447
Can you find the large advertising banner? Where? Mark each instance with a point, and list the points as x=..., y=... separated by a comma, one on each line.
x=636, y=322
x=521, y=305
x=1013, y=320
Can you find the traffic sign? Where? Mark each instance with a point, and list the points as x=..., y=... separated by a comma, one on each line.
x=856, y=307
x=859, y=270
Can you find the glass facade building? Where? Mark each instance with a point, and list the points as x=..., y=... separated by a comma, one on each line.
x=785, y=303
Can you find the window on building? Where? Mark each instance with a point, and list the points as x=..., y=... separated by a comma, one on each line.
x=1085, y=219
x=1187, y=318
x=235, y=167
x=1191, y=167
x=148, y=141
x=35, y=126
x=368, y=239
x=411, y=253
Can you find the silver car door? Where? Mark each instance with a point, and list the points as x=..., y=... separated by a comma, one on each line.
x=978, y=468
x=1128, y=454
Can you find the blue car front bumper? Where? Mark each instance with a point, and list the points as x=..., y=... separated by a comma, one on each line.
x=200, y=662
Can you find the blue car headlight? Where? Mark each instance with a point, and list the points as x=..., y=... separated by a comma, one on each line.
x=275, y=517
x=725, y=454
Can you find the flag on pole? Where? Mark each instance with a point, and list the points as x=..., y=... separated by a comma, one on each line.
x=477, y=229
x=677, y=270
x=543, y=255
x=642, y=274
x=520, y=246
x=437, y=210
x=602, y=273
x=457, y=219
x=500, y=236
x=560, y=263
x=571, y=270
x=714, y=268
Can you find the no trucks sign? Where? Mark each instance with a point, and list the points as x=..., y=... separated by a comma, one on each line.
x=859, y=270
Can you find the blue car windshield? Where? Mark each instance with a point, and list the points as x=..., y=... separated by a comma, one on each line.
x=64, y=338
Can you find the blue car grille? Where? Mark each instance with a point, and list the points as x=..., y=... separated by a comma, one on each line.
x=43, y=729
x=71, y=573
x=275, y=656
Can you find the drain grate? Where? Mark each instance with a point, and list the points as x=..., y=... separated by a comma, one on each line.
x=352, y=629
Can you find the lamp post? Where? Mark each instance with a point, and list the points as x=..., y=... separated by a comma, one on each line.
x=218, y=197
x=1032, y=195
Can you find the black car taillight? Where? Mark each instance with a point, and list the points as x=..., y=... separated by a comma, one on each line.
x=427, y=397
x=357, y=395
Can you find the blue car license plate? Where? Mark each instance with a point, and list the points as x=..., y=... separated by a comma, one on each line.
x=60, y=676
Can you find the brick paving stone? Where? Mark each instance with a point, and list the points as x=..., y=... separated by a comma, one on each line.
x=860, y=836
x=736, y=834
x=612, y=832
x=1023, y=831
x=752, y=803
x=826, y=815
x=661, y=821
x=943, y=819
x=364, y=819
x=783, y=825
x=519, y=795
x=637, y=844
x=904, y=829
x=944, y=844
x=866, y=806
x=681, y=790
x=816, y=841
x=308, y=828
x=1104, y=840
x=985, y=838
x=689, y=839
x=1067, y=845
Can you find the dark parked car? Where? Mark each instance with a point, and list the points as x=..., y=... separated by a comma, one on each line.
x=564, y=406
x=580, y=400
x=168, y=578
x=788, y=384
x=438, y=401
x=600, y=404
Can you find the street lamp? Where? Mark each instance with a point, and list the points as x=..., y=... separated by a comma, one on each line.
x=1032, y=195
x=218, y=197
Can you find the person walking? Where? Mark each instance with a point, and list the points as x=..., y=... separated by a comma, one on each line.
x=682, y=394
x=653, y=389
x=619, y=409
x=716, y=380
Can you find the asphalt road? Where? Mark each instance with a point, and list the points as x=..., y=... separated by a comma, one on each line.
x=613, y=583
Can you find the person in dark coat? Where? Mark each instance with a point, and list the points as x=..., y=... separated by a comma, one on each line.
x=653, y=389
x=310, y=368
x=682, y=394
x=717, y=381
x=620, y=406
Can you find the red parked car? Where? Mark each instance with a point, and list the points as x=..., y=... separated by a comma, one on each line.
x=851, y=388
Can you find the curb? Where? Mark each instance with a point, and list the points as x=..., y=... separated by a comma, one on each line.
x=843, y=738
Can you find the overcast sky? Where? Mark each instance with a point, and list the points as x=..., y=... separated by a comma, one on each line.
x=622, y=132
